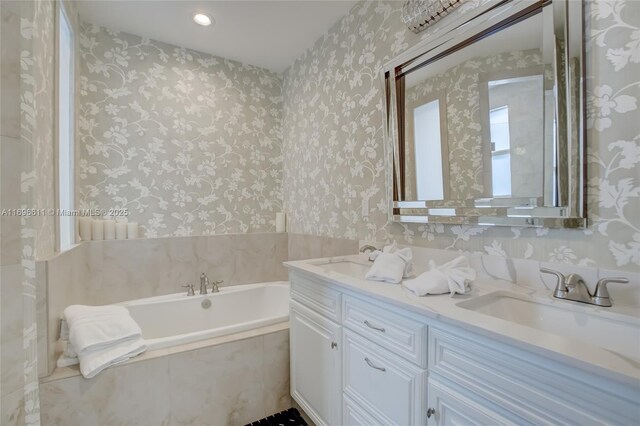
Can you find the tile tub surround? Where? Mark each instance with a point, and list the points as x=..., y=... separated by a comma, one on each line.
x=333, y=144
x=103, y=272
x=232, y=382
x=312, y=246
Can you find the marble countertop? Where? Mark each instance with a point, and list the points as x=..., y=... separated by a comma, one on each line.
x=576, y=353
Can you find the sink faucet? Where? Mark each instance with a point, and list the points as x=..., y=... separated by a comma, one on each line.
x=367, y=248
x=214, y=286
x=573, y=287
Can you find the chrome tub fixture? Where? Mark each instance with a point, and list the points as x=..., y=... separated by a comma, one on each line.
x=419, y=14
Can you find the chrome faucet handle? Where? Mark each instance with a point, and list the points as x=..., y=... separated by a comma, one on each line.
x=190, y=289
x=601, y=295
x=561, y=285
x=214, y=286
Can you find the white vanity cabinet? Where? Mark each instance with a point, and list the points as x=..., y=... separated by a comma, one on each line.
x=359, y=360
x=315, y=341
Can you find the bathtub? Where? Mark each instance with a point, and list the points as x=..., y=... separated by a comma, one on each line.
x=176, y=319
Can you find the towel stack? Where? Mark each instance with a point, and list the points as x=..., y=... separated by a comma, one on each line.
x=99, y=337
x=452, y=277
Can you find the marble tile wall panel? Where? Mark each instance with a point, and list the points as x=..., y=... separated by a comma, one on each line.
x=10, y=133
x=229, y=384
x=11, y=347
x=151, y=267
x=12, y=408
x=311, y=246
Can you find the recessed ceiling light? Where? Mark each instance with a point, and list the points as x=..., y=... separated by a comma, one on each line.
x=202, y=19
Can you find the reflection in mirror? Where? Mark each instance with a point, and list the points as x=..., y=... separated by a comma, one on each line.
x=478, y=124
x=478, y=115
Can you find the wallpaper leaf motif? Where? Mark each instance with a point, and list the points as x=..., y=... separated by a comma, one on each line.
x=191, y=144
x=333, y=141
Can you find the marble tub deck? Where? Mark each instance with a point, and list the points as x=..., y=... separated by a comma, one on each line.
x=233, y=379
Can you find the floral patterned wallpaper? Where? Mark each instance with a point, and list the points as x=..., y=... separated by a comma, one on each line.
x=189, y=143
x=334, y=154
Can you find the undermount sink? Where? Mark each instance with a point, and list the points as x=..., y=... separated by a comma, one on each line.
x=609, y=330
x=345, y=267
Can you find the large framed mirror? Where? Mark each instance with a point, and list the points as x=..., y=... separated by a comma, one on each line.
x=485, y=123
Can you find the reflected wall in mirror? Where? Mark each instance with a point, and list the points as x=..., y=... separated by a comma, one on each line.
x=479, y=125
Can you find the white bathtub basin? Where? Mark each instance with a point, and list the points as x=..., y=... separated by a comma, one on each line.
x=177, y=319
x=609, y=330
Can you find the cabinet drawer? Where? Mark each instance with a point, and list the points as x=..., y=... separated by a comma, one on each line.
x=382, y=383
x=317, y=295
x=354, y=415
x=531, y=387
x=407, y=337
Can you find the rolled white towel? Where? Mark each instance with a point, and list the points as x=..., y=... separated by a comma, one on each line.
x=390, y=267
x=452, y=277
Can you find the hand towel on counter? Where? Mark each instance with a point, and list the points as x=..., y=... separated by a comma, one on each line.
x=393, y=248
x=452, y=277
x=391, y=265
x=100, y=336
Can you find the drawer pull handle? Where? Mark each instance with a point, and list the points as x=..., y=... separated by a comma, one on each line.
x=334, y=345
x=368, y=324
x=372, y=365
x=430, y=412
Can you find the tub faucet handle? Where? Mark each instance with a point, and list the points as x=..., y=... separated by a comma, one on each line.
x=190, y=289
x=214, y=286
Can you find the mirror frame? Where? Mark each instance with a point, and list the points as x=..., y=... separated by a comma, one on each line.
x=463, y=31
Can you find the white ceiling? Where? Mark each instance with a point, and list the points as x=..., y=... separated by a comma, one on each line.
x=266, y=33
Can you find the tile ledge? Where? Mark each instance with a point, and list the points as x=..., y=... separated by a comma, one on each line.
x=61, y=373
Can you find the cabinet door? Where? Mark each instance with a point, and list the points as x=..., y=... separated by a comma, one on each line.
x=316, y=365
x=448, y=407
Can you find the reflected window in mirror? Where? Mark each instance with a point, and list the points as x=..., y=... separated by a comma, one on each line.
x=500, y=152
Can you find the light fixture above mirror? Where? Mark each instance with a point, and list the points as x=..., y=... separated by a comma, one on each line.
x=419, y=14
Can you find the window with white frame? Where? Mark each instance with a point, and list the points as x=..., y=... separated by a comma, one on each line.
x=500, y=151
x=65, y=107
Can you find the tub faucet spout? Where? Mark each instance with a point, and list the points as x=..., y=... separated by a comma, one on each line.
x=204, y=283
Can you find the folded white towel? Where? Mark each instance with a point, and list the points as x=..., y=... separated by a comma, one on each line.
x=452, y=277
x=92, y=327
x=100, y=336
x=393, y=248
x=391, y=265
x=93, y=362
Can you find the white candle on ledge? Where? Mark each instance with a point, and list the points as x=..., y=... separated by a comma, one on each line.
x=85, y=228
x=121, y=231
x=109, y=229
x=97, y=229
x=132, y=230
x=280, y=222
